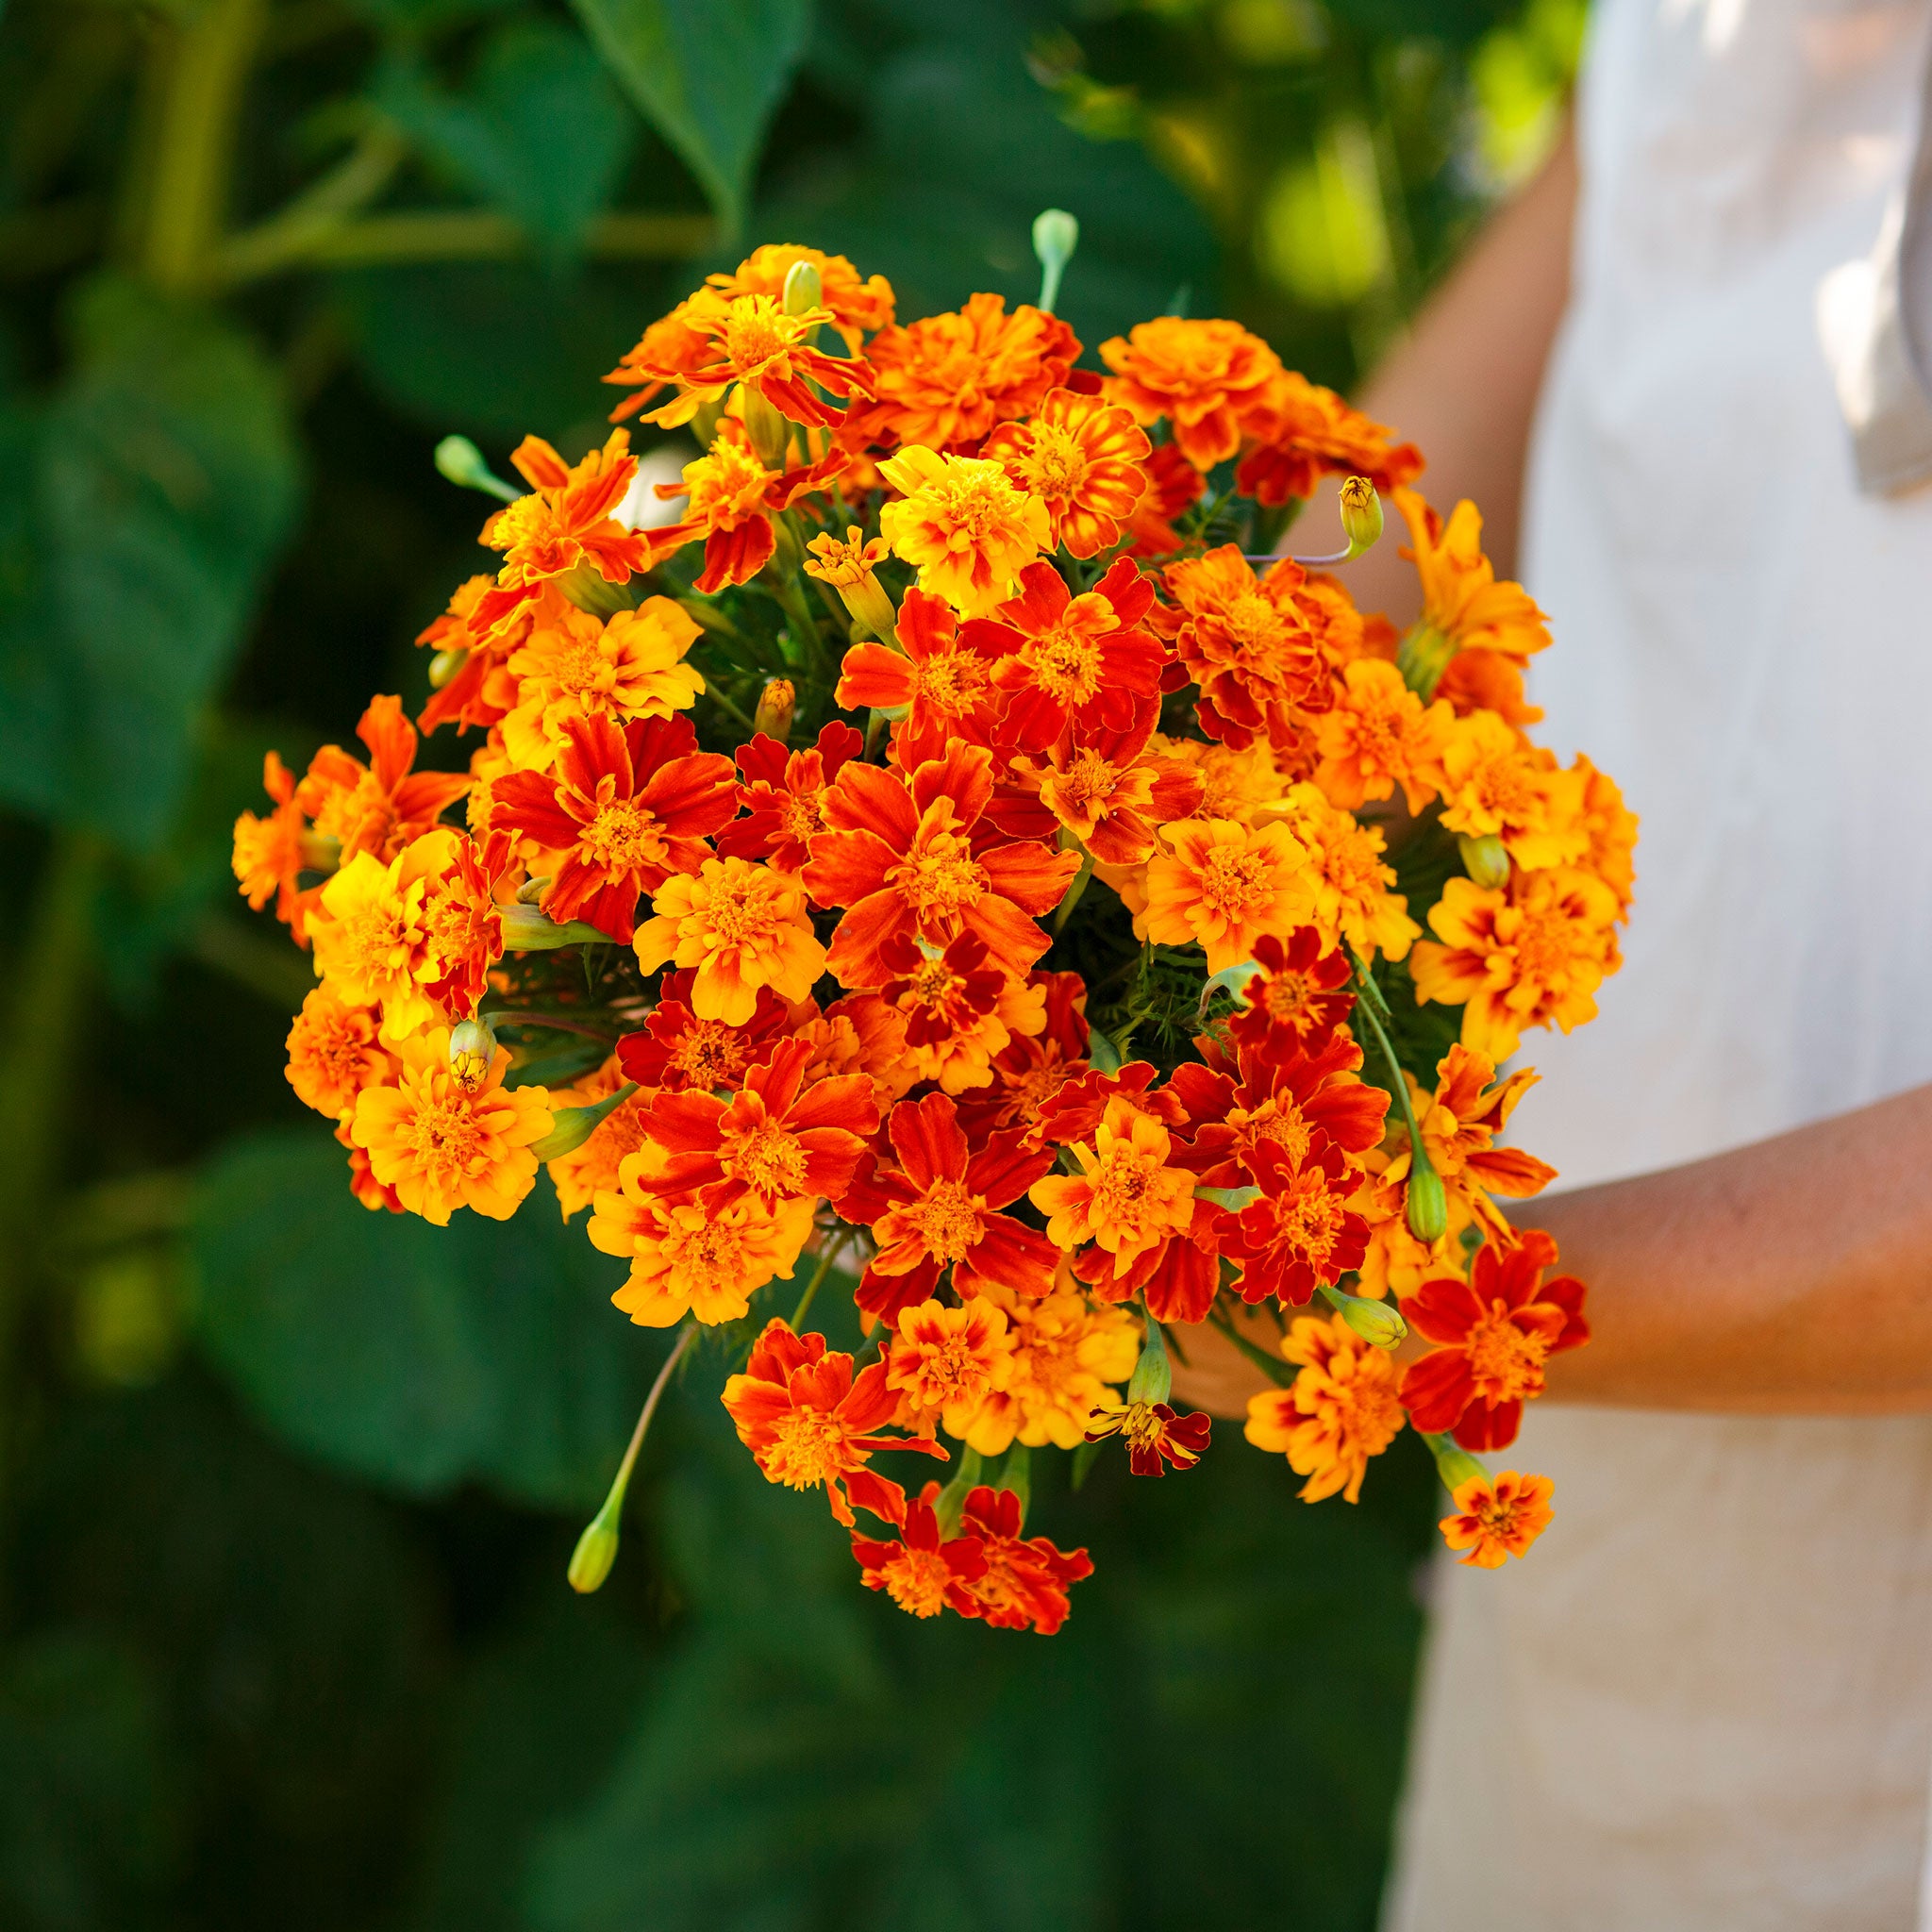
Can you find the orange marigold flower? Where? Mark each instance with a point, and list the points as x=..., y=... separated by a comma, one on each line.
x=1378, y=736
x=1155, y=1435
x=624, y=809
x=958, y=1010
x=1026, y=1580
x=1126, y=1197
x=1338, y=1412
x=1462, y=599
x=580, y=1175
x=687, y=1257
x=1495, y=1332
x=368, y=932
x=1495, y=1521
x=945, y=381
x=742, y=926
x=462, y=923
x=1494, y=785
x=579, y=666
x=1201, y=375
x=857, y=307
x=567, y=521
x=907, y=854
x=677, y=1049
x=271, y=853
x=1083, y=459
x=334, y=1052
x=962, y=525
x=1610, y=827
x=1487, y=681
x=1301, y=431
x=1348, y=878
x=1462, y=1122
x=809, y=1421
x=940, y=684
x=1222, y=885
x=467, y=655
x=946, y=1359
x=1068, y=1357
x=1245, y=783
x=1530, y=954
x=782, y=795
x=1108, y=790
x=924, y=1574
x=1295, y=1002
x=380, y=807
x=443, y=1146
x=1031, y=1069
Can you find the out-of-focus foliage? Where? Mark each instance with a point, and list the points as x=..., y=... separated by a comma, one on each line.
x=285, y=1489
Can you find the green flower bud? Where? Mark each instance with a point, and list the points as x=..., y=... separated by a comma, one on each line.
x=472, y=1053
x=1379, y=1322
x=597, y=1550
x=571, y=1126
x=1055, y=235
x=1427, y=1205
x=444, y=666
x=804, y=289
x=777, y=705
x=952, y=1502
x=460, y=461
x=527, y=930
x=1153, y=1373
x=1455, y=1465
x=1361, y=515
x=1485, y=860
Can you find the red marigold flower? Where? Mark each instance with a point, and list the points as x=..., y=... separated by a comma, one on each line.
x=1301, y=1234
x=1288, y=1103
x=384, y=805
x=938, y=1208
x=1026, y=1581
x=1106, y=788
x=957, y=1011
x=941, y=681
x=1201, y=375
x=808, y=1420
x=1082, y=458
x=1495, y=1331
x=1301, y=431
x=1295, y=1003
x=1155, y=1435
x=1077, y=1109
x=1083, y=660
x=1030, y=1070
x=782, y=795
x=1495, y=1521
x=907, y=855
x=925, y=1574
x=678, y=1050
x=462, y=923
x=1173, y=484
x=623, y=809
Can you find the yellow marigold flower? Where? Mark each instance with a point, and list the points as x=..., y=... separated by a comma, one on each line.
x=1126, y=1196
x=1531, y=955
x=742, y=926
x=945, y=1361
x=582, y=1174
x=1068, y=1356
x=334, y=1052
x=370, y=933
x=1338, y=1412
x=1495, y=1521
x=1243, y=784
x=1462, y=599
x=1494, y=784
x=1225, y=884
x=1378, y=736
x=442, y=1147
x=1348, y=879
x=1203, y=376
x=962, y=525
x=689, y=1259
x=581, y=667
x=1611, y=828
x=1081, y=456
x=857, y=307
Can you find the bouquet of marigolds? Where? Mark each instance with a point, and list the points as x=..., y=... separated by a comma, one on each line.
x=953, y=848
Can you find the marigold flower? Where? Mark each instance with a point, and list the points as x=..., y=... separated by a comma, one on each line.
x=942, y=680
x=1460, y=1124
x=270, y=853
x=1498, y=1520
x=1487, y=681
x=462, y=923
x=1349, y=882
x=857, y=307
x=335, y=1053
x=369, y=933
x=1531, y=955
x=961, y=523
x=1378, y=736
x=850, y=566
x=1154, y=1434
x=1495, y=1332
x=1110, y=791
x=904, y=856
x=1295, y=1002
x=742, y=926
x=691, y=1257
x=946, y=380
x=1030, y=1070
x=1222, y=885
x=1494, y=785
x=782, y=796
x=678, y=1050
x=809, y=1421
x=383, y=806
x=959, y=1010
x=1201, y=375
x=1289, y=1103
x=443, y=1146
x=580, y=1175
x=1301, y=432
x=1126, y=1197
x=945, y=1359
x=1338, y=1412
x=1611, y=828
x=938, y=1207
x=469, y=657
x=1083, y=459
x=924, y=1574
x=1068, y=1356
x=1026, y=1580
x=1462, y=599
x=580, y=666
x=624, y=808
x=1302, y=1234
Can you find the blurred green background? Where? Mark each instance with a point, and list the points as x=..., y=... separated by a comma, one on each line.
x=287, y=1489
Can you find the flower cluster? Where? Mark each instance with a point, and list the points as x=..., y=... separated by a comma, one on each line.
x=934, y=841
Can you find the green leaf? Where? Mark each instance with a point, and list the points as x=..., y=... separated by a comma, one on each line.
x=418, y=1355
x=708, y=74
x=162, y=481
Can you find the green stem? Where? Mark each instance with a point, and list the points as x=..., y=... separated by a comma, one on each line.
x=833, y=1244
x=1271, y=1366
x=1365, y=1007
x=1071, y=898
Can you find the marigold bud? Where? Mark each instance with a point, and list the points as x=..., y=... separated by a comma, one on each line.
x=1153, y=1373
x=952, y=1502
x=597, y=1550
x=1455, y=1465
x=1055, y=235
x=1379, y=1322
x=472, y=1053
x=1427, y=1206
x=571, y=1126
x=527, y=930
x=460, y=461
x=804, y=287
x=321, y=851
x=1361, y=515
x=777, y=705
x=1486, y=861
x=444, y=666
x=847, y=567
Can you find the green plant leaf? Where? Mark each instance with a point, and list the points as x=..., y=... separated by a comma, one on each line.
x=708, y=74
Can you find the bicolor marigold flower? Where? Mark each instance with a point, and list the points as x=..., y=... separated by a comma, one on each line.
x=380, y=807
x=1173, y=487
x=945, y=1359
x=443, y=1146
x=1463, y=601
x=678, y=1050
x=576, y=665
x=1155, y=1435
x=959, y=1011
x=1026, y=1581
x=580, y=1175
x=1493, y=1334
x=1202, y=376
x=856, y=305
x=1083, y=459
x=961, y=523
x=1295, y=1002
x=939, y=683
x=1347, y=878
x=1288, y=1101
x=743, y=927
x=462, y=923
x=1377, y=736
x=810, y=1423
x=782, y=795
x=905, y=854
x=1302, y=1234
x=1031, y=1069
x=271, y=853
x=937, y=1206
x=1495, y=1521
x=1301, y=432
x=1530, y=954
x=1068, y=1356
x=1126, y=1198
x=1110, y=791
x=1338, y=1412
x=1221, y=885
x=946, y=380
x=924, y=1573
x=621, y=810
x=335, y=1052
x=1462, y=1122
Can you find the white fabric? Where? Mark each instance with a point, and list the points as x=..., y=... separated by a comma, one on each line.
x=1705, y=1701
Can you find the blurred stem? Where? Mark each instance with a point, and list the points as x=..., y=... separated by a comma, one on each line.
x=288, y=237
x=833, y=1244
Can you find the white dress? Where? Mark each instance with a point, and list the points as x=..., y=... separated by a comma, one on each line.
x=1704, y=1704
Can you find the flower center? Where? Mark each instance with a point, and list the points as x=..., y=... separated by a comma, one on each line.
x=581, y=671
x=445, y=1138
x=769, y=1158
x=1504, y=1363
x=727, y=486
x=737, y=911
x=704, y=1255
x=975, y=507
x=916, y=1580
x=953, y=680
x=376, y=941
x=625, y=836
x=799, y=814
x=1089, y=784
x=1235, y=881
x=948, y=1217
x=1057, y=465
x=1288, y=996
x=1253, y=622
x=1066, y=666
x=757, y=331
x=942, y=878
x=1308, y=1218
x=1280, y=1119
x=707, y=1056
x=808, y=1447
